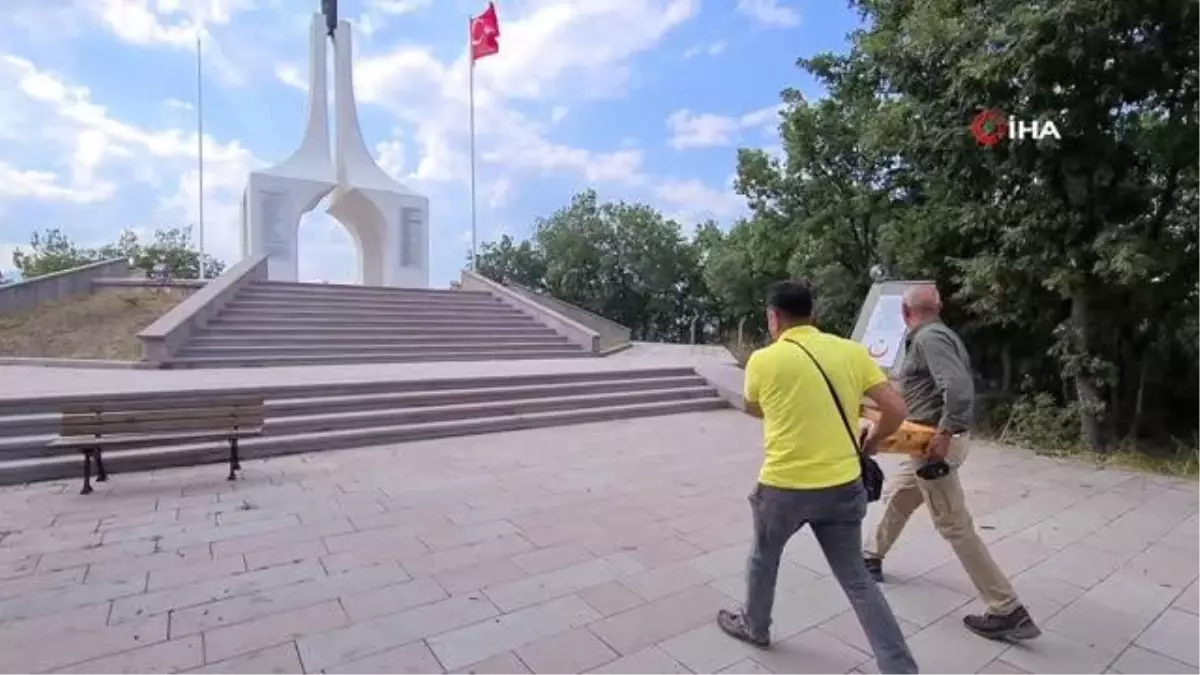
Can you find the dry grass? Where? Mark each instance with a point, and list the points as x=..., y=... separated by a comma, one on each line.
x=100, y=326
x=1181, y=460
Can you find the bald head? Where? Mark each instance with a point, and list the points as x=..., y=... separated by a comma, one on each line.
x=921, y=303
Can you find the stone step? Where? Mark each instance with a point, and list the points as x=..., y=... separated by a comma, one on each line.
x=423, y=399
x=345, y=290
x=456, y=333
x=466, y=301
x=355, y=338
x=286, y=418
x=52, y=403
x=322, y=322
x=158, y=457
x=465, y=411
x=193, y=350
x=337, y=310
x=255, y=361
x=42, y=422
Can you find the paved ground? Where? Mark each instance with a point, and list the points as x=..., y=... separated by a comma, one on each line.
x=604, y=547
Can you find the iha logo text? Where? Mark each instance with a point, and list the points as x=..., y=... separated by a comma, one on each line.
x=992, y=126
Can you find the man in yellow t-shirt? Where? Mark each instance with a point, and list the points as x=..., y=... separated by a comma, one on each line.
x=811, y=473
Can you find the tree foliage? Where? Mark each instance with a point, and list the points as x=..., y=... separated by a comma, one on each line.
x=52, y=251
x=1070, y=265
x=623, y=261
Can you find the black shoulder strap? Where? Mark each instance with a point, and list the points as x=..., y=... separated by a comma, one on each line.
x=837, y=402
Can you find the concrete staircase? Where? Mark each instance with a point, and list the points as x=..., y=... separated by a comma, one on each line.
x=319, y=416
x=282, y=324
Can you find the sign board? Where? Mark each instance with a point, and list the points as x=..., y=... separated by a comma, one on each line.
x=880, y=326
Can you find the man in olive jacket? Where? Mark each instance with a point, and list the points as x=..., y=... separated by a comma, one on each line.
x=936, y=381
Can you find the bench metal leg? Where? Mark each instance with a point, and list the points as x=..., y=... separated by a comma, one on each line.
x=87, y=473
x=101, y=474
x=234, y=464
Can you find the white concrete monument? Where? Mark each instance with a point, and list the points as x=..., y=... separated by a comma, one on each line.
x=388, y=222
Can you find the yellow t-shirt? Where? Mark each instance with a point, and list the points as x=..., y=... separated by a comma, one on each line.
x=806, y=444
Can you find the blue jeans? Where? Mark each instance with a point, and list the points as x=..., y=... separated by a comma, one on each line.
x=835, y=515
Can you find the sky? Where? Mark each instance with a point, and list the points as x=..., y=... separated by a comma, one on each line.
x=641, y=100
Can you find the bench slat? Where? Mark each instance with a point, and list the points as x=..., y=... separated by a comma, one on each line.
x=108, y=417
x=135, y=426
x=152, y=404
x=143, y=440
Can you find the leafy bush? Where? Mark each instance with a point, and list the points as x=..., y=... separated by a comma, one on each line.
x=1040, y=422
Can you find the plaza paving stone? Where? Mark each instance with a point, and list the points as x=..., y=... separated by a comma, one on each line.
x=600, y=548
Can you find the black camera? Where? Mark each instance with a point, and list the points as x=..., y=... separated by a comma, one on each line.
x=934, y=470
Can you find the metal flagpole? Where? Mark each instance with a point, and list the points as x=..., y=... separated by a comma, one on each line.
x=200, y=150
x=471, y=104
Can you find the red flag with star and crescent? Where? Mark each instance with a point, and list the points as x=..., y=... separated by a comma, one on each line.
x=485, y=34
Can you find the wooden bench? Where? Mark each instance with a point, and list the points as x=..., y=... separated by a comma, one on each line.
x=92, y=428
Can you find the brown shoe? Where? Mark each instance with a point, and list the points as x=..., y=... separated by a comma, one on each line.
x=1016, y=625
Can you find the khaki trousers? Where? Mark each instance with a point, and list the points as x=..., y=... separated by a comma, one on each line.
x=904, y=492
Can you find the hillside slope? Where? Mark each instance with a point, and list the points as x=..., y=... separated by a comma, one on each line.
x=100, y=326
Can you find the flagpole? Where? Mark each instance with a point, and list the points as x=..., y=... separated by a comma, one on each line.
x=200, y=150
x=471, y=114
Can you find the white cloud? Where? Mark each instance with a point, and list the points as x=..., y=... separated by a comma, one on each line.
x=769, y=12
x=47, y=186
x=499, y=192
x=174, y=23
x=399, y=7
x=158, y=24
x=692, y=202
x=379, y=14
x=556, y=55
x=391, y=157
x=702, y=130
x=90, y=152
x=540, y=59
x=711, y=49
x=577, y=46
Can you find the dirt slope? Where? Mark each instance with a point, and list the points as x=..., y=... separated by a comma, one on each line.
x=100, y=326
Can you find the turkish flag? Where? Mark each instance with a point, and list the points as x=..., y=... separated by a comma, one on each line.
x=485, y=33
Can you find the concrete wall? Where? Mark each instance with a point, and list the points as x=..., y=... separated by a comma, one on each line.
x=612, y=334
x=26, y=295
x=564, y=325
x=163, y=338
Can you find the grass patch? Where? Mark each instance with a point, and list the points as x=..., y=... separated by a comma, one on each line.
x=1038, y=423
x=99, y=326
x=1181, y=462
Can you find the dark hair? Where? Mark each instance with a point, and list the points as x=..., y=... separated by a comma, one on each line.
x=793, y=299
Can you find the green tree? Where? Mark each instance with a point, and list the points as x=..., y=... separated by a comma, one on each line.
x=172, y=246
x=51, y=251
x=1082, y=246
x=622, y=261
x=507, y=261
